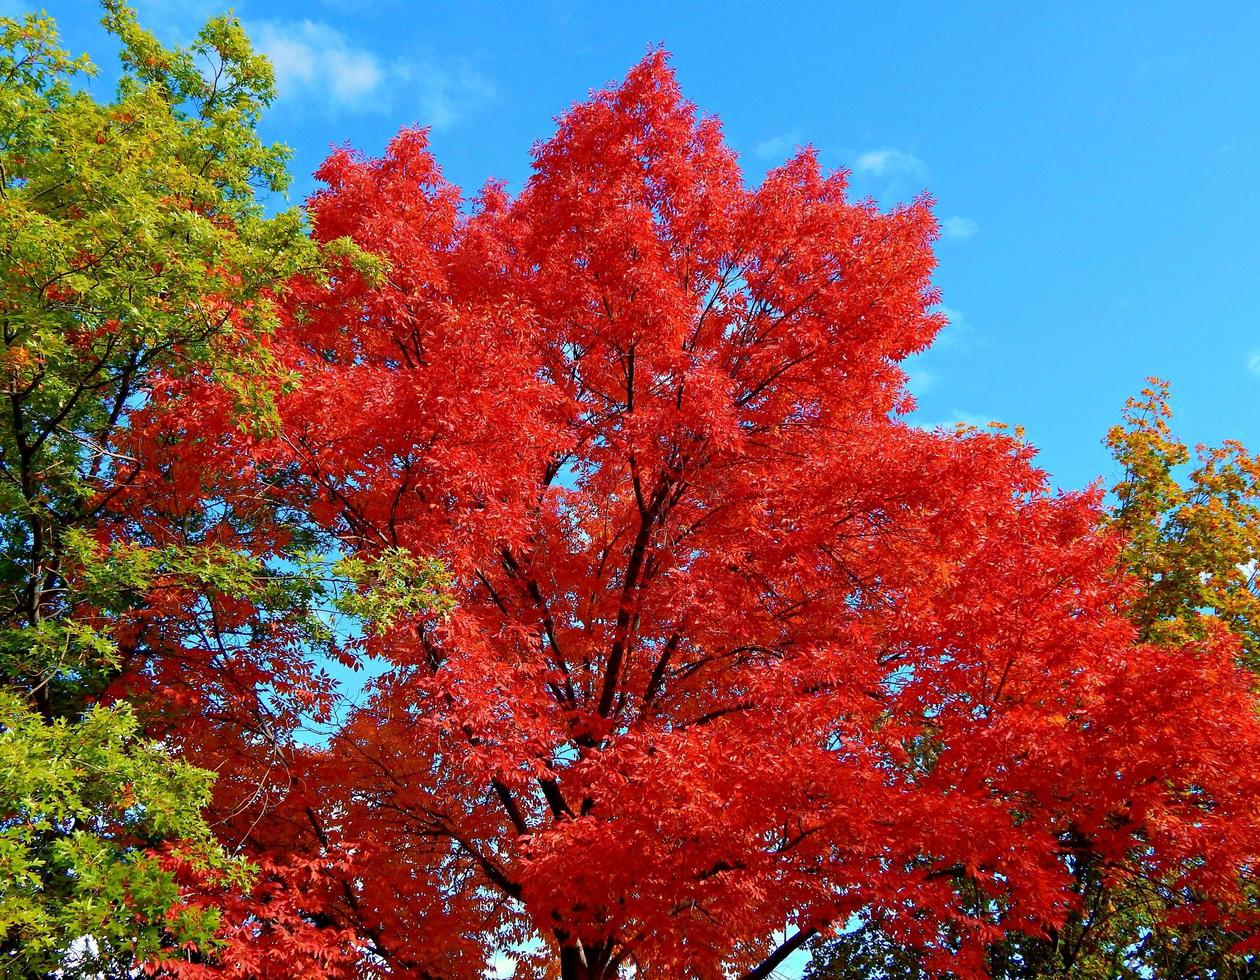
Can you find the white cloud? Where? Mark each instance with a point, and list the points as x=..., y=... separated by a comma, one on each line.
x=958, y=331
x=778, y=146
x=1253, y=362
x=318, y=66
x=959, y=228
x=313, y=59
x=445, y=94
x=887, y=162
x=919, y=379
x=956, y=418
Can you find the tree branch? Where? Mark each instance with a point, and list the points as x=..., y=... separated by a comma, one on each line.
x=786, y=949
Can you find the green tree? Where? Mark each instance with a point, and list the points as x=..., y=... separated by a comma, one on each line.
x=133, y=247
x=1193, y=535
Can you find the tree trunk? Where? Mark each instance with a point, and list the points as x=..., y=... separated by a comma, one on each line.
x=580, y=962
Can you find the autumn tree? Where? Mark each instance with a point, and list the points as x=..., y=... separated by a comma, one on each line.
x=1191, y=524
x=133, y=252
x=1191, y=528
x=1191, y=537
x=732, y=646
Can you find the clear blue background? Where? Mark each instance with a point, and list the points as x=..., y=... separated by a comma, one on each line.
x=1094, y=164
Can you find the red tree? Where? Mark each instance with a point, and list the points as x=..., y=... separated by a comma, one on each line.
x=735, y=647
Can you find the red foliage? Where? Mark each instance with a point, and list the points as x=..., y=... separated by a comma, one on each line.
x=275, y=929
x=735, y=644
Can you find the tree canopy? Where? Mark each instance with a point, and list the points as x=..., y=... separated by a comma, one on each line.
x=688, y=633
x=1189, y=540
x=132, y=247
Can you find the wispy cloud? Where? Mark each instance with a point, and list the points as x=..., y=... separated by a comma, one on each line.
x=959, y=228
x=313, y=60
x=318, y=67
x=888, y=162
x=1253, y=362
x=919, y=379
x=446, y=93
x=777, y=147
x=957, y=331
x=956, y=418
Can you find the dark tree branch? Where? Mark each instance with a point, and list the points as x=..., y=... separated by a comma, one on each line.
x=786, y=949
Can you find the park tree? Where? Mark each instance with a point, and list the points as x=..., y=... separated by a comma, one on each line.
x=1191, y=538
x=1191, y=524
x=693, y=648
x=731, y=654
x=134, y=251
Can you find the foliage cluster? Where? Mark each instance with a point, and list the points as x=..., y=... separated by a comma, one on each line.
x=684, y=631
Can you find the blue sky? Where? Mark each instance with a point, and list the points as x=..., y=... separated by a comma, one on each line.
x=1094, y=164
